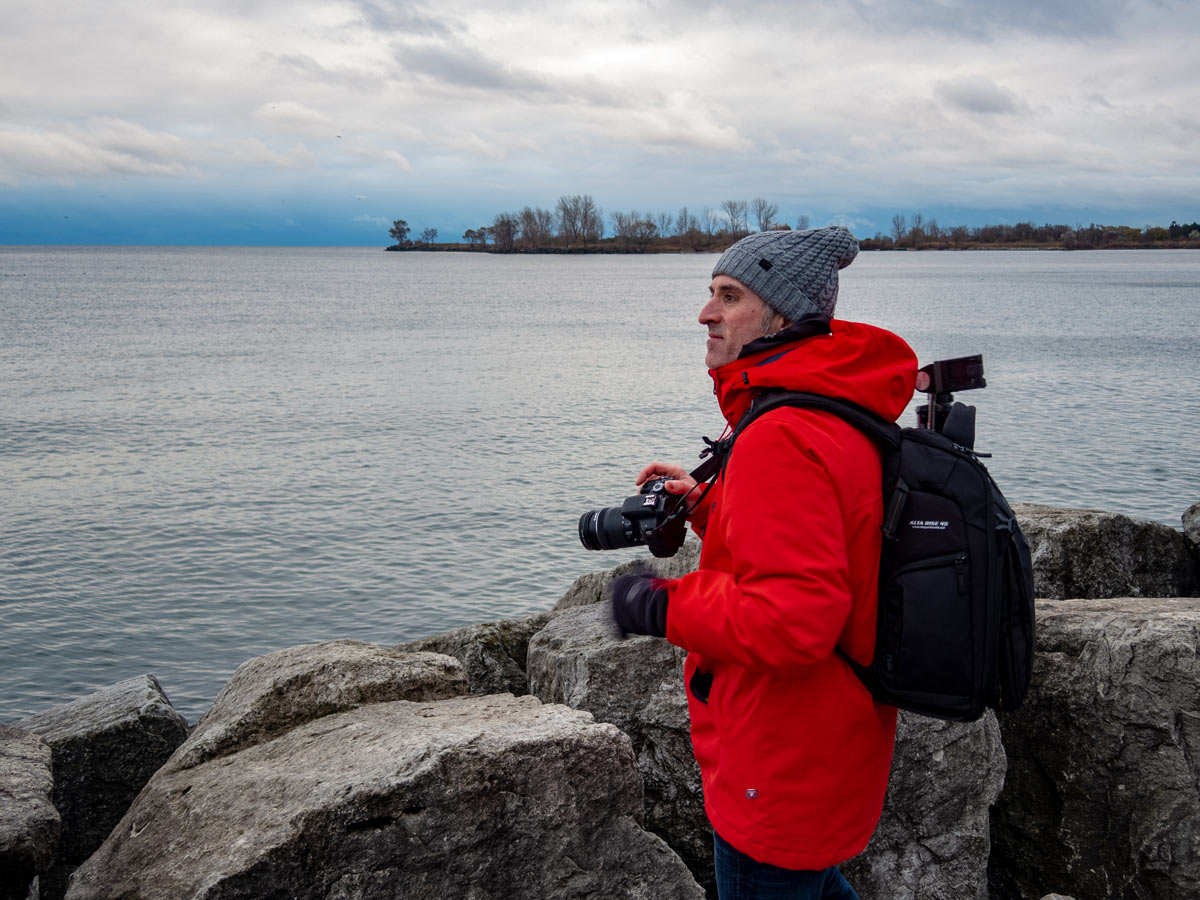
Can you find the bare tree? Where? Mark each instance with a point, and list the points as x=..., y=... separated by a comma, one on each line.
x=568, y=218
x=620, y=224
x=735, y=212
x=580, y=220
x=802, y=223
x=916, y=233
x=591, y=220
x=899, y=227
x=764, y=213
x=665, y=223
x=633, y=229
x=429, y=235
x=709, y=221
x=688, y=229
x=536, y=227
x=506, y=227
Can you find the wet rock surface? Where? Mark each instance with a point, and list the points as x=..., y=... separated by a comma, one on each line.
x=104, y=747
x=272, y=694
x=475, y=797
x=1086, y=553
x=29, y=823
x=492, y=654
x=1103, y=793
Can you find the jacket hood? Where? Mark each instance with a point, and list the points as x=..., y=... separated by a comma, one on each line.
x=850, y=360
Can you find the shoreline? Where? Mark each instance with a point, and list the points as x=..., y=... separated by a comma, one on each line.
x=680, y=251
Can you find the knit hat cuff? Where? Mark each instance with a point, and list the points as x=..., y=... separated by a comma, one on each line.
x=775, y=290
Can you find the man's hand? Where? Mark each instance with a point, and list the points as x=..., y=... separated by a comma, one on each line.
x=639, y=605
x=681, y=482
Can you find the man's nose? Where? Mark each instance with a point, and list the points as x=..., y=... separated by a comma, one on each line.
x=708, y=312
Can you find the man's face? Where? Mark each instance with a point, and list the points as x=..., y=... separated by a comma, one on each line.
x=735, y=316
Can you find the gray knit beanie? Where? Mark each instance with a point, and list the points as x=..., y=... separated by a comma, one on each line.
x=795, y=272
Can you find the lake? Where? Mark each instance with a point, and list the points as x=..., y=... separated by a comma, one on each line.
x=211, y=453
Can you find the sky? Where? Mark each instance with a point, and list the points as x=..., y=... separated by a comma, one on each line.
x=310, y=123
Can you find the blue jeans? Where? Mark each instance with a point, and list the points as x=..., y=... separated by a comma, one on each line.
x=741, y=878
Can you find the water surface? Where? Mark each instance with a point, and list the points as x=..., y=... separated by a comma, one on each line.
x=211, y=453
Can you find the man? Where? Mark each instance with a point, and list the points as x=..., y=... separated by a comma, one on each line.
x=793, y=751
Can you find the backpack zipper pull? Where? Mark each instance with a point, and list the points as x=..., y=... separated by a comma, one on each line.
x=961, y=449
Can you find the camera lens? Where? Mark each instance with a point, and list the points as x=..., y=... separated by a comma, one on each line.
x=606, y=529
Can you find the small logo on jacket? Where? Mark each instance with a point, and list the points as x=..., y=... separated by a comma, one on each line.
x=929, y=524
x=751, y=793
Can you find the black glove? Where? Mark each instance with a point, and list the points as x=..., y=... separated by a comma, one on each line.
x=639, y=605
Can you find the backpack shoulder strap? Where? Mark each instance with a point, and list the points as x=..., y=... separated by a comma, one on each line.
x=882, y=432
x=886, y=435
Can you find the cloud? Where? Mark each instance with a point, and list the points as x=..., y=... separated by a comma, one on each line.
x=979, y=94
x=981, y=21
x=403, y=18
x=685, y=100
x=107, y=147
x=295, y=118
x=253, y=152
x=459, y=66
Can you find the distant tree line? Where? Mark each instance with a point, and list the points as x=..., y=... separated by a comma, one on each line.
x=577, y=224
x=919, y=233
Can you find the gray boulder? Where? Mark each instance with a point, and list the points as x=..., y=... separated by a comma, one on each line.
x=492, y=654
x=1191, y=524
x=933, y=838
x=1103, y=794
x=636, y=684
x=105, y=747
x=475, y=797
x=932, y=842
x=594, y=587
x=272, y=694
x=1088, y=553
x=29, y=823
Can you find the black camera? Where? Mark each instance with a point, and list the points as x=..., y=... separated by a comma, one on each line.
x=651, y=517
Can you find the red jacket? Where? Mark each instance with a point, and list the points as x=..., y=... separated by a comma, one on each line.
x=793, y=750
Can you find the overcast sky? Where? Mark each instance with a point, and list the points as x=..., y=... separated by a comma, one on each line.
x=262, y=121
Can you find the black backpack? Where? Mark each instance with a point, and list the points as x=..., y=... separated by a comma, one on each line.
x=956, y=623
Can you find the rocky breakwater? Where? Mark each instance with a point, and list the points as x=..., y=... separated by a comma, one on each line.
x=351, y=770
x=1103, y=792
x=1103, y=785
x=1087, y=553
x=347, y=770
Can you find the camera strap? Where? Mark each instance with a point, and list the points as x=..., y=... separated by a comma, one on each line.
x=713, y=455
